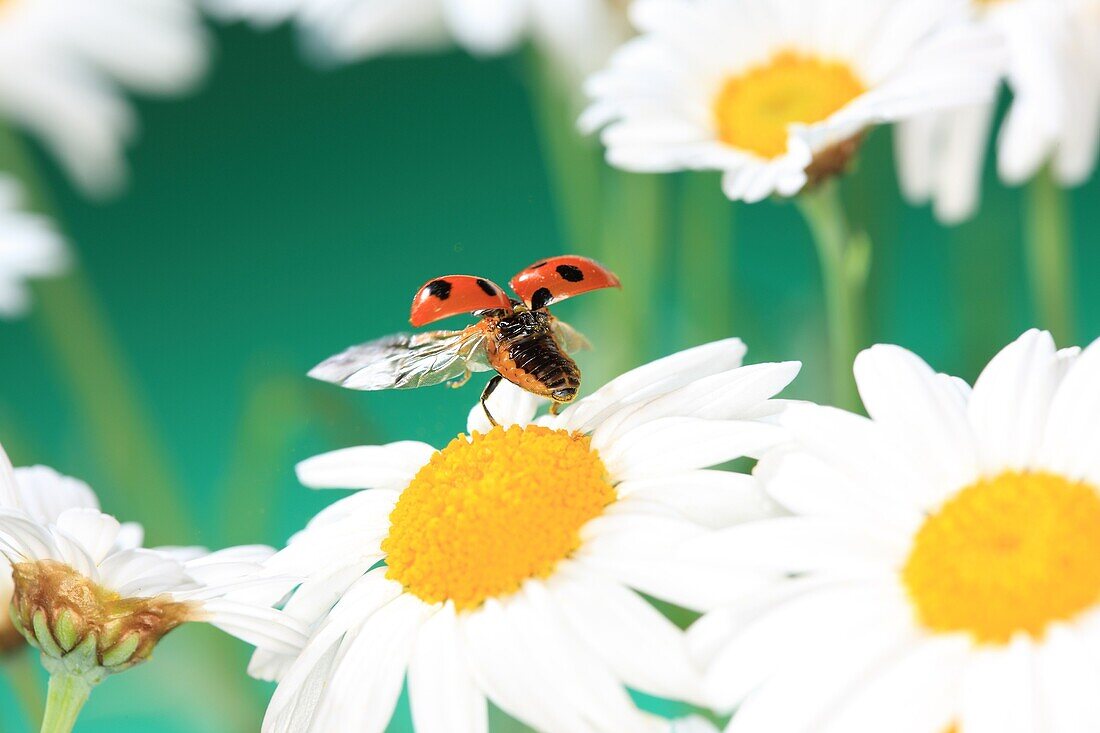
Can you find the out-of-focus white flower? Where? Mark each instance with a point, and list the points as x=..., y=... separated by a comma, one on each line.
x=1053, y=71
x=578, y=34
x=777, y=92
x=85, y=592
x=942, y=567
x=512, y=556
x=63, y=65
x=30, y=247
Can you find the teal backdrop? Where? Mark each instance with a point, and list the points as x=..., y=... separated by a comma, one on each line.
x=284, y=211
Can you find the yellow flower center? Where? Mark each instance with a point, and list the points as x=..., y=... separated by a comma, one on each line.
x=755, y=108
x=1008, y=554
x=490, y=511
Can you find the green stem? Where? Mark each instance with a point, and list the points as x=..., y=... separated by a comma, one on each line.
x=66, y=698
x=844, y=262
x=1049, y=256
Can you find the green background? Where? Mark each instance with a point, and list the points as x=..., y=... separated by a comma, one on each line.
x=284, y=211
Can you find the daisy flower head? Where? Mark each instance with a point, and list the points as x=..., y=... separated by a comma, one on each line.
x=63, y=66
x=776, y=93
x=941, y=570
x=84, y=591
x=30, y=247
x=1052, y=67
x=512, y=556
x=579, y=35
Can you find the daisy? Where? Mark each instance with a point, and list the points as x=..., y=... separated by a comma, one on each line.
x=942, y=567
x=63, y=64
x=29, y=247
x=776, y=93
x=85, y=592
x=1053, y=70
x=578, y=34
x=513, y=554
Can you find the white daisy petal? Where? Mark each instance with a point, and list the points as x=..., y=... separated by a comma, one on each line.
x=904, y=397
x=365, y=467
x=675, y=444
x=363, y=690
x=710, y=498
x=508, y=404
x=96, y=532
x=1067, y=678
x=1073, y=421
x=640, y=645
x=442, y=692
x=1009, y=405
x=998, y=691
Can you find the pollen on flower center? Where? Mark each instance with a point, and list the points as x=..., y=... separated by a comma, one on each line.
x=754, y=109
x=1007, y=554
x=490, y=511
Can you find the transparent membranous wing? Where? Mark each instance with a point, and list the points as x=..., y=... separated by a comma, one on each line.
x=407, y=360
x=569, y=338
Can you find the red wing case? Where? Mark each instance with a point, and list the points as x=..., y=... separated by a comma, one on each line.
x=455, y=294
x=558, y=278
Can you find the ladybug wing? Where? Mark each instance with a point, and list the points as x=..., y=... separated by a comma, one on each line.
x=558, y=278
x=455, y=294
x=568, y=337
x=407, y=360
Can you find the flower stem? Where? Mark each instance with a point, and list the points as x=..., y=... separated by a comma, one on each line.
x=66, y=697
x=845, y=262
x=1049, y=257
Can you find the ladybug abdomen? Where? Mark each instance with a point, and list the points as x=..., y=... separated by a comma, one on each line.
x=525, y=353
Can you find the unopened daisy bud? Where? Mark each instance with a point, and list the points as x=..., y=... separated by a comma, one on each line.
x=94, y=602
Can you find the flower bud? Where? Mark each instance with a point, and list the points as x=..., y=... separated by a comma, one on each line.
x=83, y=627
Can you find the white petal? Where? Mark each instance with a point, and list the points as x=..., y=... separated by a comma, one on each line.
x=797, y=545
x=1011, y=398
x=442, y=692
x=998, y=692
x=365, y=467
x=508, y=404
x=95, y=531
x=915, y=694
x=711, y=498
x=1073, y=423
x=820, y=678
x=370, y=668
x=486, y=26
x=652, y=380
x=45, y=493
x=143, y=572
x=676, y=444
x=264, y=628
x=927, y=419
x=569, y=676
x=643, y=648
x=9, y=489
x=640, y=552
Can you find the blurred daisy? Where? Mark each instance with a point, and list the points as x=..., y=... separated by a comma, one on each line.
x=511, y=555
x=29, y=247
x=62, y=65
x=578, y=34
x=1053, y=70
x=942, y=571
x=94, y=601
x=776, y=93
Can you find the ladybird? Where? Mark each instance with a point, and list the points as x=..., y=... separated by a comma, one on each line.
x=519, y=339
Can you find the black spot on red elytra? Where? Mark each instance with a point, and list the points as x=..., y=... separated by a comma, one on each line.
x=440, y=289
x=540, y=298
x=487, y=287
x=569, y=273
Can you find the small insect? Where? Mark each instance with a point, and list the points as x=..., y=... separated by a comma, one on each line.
x=518, y=339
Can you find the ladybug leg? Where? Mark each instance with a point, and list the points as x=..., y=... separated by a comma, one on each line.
x=492, y=385
x=555, y=407
x=461, y=381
